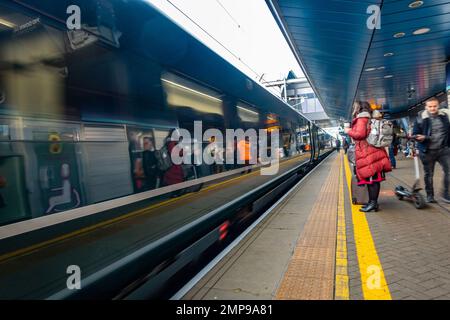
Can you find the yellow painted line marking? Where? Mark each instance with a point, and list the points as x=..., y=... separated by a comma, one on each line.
x=374, y=285
x=132, y=214
x=341, y=288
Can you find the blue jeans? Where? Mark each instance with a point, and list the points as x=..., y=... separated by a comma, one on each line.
x=392, y=157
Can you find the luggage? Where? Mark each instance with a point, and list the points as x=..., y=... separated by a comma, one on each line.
x=360, y=194
x=381, y=133
x=351, y=154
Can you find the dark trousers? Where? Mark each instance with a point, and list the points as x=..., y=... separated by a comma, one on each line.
x=392, y=157
x=429, y=160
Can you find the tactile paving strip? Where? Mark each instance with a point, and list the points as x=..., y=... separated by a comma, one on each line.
x=310, y=274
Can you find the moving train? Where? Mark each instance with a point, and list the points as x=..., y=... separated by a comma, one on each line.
x=76, y=104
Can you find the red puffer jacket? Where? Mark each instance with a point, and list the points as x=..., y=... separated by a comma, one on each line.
x=369, y=159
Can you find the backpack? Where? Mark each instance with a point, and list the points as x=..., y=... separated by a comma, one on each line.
x=163, y=161
x=381, y=133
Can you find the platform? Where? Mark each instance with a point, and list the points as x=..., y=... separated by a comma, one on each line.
x=317, y=245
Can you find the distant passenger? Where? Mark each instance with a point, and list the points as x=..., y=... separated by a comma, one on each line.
x=175, y=173
x=432, y=130
x=396, y=142
x=371, y=163
x=149, y=164
x=217, y=153
x=244, y=151
x=338, y=145
x=345, y=145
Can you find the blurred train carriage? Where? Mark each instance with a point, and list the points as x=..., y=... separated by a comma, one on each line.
x=76, y=105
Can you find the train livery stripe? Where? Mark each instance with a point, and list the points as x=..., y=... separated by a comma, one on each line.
x=373, y=281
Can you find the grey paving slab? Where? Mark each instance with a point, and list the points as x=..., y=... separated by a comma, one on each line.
x=413, y=245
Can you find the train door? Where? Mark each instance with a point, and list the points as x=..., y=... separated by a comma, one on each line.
x=106, y=162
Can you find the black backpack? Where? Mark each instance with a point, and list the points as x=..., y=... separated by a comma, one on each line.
x=163, y=160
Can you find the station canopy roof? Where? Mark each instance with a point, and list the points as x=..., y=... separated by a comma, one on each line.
x=396, y=67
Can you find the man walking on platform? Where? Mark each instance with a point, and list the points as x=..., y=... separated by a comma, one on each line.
x=432, y=130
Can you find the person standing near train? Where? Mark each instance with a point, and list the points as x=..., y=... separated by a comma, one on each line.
x=432, y=130
x=371, y=162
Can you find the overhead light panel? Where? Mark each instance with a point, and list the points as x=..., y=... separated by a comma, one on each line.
x=388, y=54
x=415, y=4
x=388, y=76
x=7, y=23
x=421, y=31
x=399, y=35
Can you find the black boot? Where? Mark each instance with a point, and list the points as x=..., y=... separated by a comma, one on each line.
x=430, y=199
x=371, y=206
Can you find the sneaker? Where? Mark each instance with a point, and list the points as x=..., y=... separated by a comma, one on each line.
x=446, y=199
x=430, y=199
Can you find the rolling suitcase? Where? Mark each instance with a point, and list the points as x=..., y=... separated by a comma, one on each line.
x=360, y=194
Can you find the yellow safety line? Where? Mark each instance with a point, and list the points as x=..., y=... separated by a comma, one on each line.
x=135, y=213
x=374, y=285
x=341, y=290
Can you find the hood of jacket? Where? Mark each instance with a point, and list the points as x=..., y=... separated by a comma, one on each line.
x=442, y=112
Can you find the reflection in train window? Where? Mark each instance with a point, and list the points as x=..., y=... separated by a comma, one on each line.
x=247, y=113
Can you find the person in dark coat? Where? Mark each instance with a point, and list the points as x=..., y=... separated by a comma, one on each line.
x=432, y=130
x=371, y=163
x=149, y=164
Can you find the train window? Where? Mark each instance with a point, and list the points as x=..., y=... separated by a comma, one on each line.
x=4, y=132
x=182, y=93
x=246, y=113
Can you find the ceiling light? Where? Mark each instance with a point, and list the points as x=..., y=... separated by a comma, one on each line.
x=399, y=35
x=415, y=4
x=381, y=68
x=421, y=31
x=370, y=69
x=7, y=23
x=388, y=76
x=389, y=54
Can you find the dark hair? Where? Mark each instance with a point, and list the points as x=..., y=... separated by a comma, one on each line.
x=433, y=99
x=361, y=106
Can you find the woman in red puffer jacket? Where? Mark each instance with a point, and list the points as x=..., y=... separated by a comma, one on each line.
x=371, y=163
